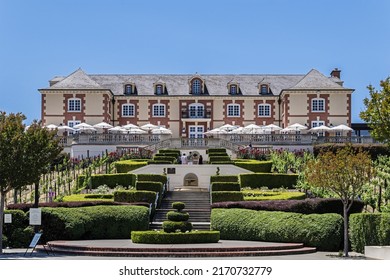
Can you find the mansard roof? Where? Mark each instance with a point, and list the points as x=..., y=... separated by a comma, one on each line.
x=178, y=85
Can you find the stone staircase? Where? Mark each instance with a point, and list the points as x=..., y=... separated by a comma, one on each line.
x=197, y=205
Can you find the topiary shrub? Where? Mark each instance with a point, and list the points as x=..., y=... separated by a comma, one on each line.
x=224, y=178
x=111, y=180
x=270, y=180
x=226, y=196
x=149, y=186
x=171, y=152
x=219, y=159
x=255, y=165
x=96, y=222
x=125, y=166
x=178, y=216
x=152, y=178
x=172, y=226
x=225, y=186
x=216, y=150
x=135, y=196
x=178, y=205
x=159, y=162
x=321, y=231
x=160, y=237
x=170, y=159
x=369, y=229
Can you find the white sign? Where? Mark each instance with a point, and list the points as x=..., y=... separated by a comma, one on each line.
x=7, y=218
x=35, y=216
x=35, y=240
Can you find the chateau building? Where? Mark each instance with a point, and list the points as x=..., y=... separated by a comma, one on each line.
x=190, y=105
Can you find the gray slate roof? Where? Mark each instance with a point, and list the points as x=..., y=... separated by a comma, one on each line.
x=179, y=84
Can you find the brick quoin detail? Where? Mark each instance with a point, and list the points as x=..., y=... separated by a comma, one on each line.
x=238, y=120
x=349, y=121
x=162, y=120
x=124, y=120
x=286, y=109
x=43, y=109
x=312, y=116
x=106, y=109
x=68, y=116
x=268, y=120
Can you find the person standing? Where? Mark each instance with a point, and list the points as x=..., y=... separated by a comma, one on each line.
x=190, y=158
x=200, y=160
x=184, y=159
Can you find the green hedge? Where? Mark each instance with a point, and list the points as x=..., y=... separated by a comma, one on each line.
x=255, y=165
x=225, y=186
x=164, y=158
x=368, y=229
x=159, y=162
x=135, y=196
x=222, y=154
x=152, y=178
x=221, y=162
x=226, y=196
x=160, y=237
x=170, y=152
x=224, y=178
x=218, y=158
x=178, y=216
x=18, y=233
x=99, y=196
x=323, y=231
x=95, y=222
x=216, y=150
x=270, y=180
x=173, y=226
x=125, y=166
x=151, y=186
x=374, y=150
x=111, y=180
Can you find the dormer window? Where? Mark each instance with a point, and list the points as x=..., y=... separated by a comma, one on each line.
x=159, y=89
x=264, y=89
x=196, y=86
x=233, y=89
x=129, y=89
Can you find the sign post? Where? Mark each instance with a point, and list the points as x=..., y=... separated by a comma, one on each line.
x=34, y=243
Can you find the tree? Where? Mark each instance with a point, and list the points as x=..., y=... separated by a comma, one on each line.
x=23, y=155
x=377, y=113
x=343, y=174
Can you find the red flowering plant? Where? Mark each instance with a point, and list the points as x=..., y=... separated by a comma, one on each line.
x=253, y=153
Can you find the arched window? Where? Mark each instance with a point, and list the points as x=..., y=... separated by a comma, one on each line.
x=128, y=110
x=74, y=105
x=196, y=86
x=233, y=110
x=158, y=110
x=264, y=110
x=128, y=89
x=264, y=89
x=318, y=105
x=196, y=110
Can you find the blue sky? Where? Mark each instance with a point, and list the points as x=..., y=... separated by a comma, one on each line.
x=42, y=39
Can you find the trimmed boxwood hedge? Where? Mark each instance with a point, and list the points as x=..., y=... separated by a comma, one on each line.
x=159, y=162
x=18, y=233
x=225, y=186
x=213, y=158
x=160, y=237
x=216, y=150
x=99, y=196
x=307, y=206
x=173, y=226
x=153, y=178
x=369, y=229
x=164, y=158
x=226, y=196
x=170, y=152
x=270, y=180
x=221, y=162
x=96, y=222
x=125, y=166
x=178, y=216
x=323, y=231
x=149, y=186
x=224, y=178
x=111, y=180
x=255, y=165
x=134, y=196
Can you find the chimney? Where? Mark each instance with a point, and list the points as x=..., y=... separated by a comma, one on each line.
x=335, y=73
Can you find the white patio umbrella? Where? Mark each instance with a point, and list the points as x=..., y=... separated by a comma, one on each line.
x=161, y=130
x=117, y=129
x=136, y=131
x=227, y=127
x=251, y=129
x=342, y=128
x=51, y=126
x=238, y=130
x=148, y=127
x=86, y=129
x=83, y=126
x=215, y=131
x=294, y=127
x=320, y=128
x=102, y=125
x=130, y=126
x=272, y=127
x=65, y=128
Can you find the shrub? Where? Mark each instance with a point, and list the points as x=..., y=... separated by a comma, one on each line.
x=271, y=195
x=218, y=154
x=374, y=150
x=225, y=186
x=5, y=241
x=153, y=178
x=170, y=152
x=99, y=196
x=224, y=178
x=219, y=158
x=226, y=196
x=111, y=180
x=178, y=205
x=18, y=233
x=97, y=222
x=221, y=162
x=255, y=165
x=159, y=162
x=178, y=216
x=160, y=237
x=307, y=206
x=149, y=186
x=322, y=231
x=216, y=150
x=164, y=158
x=368, y=229
x=135, y=196
x=125, y=166
x=173, y=226
x=269, y=180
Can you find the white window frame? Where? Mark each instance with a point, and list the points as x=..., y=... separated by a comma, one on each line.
x=158, y=110
x=316, y=124
x=159, y=89
x=196, y=110
x=316, y=106
x=195, y=131
x=72, y=106
x=233, y=110
x=72, y=123
x=131, y=89
x=263, y=86
x=235, y=91
x=126, y=112
x=264, y=110
x=196, y=86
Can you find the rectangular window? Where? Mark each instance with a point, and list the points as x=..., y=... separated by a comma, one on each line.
x=128, y=110
x=72, y=124
x=318, y=105
x=159, y=110
x=233, y=110
x=316, y=124
x=74, y=105
x=264, y=110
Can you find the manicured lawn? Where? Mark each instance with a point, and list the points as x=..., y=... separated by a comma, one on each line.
x=258, y=194
x=81, y=197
